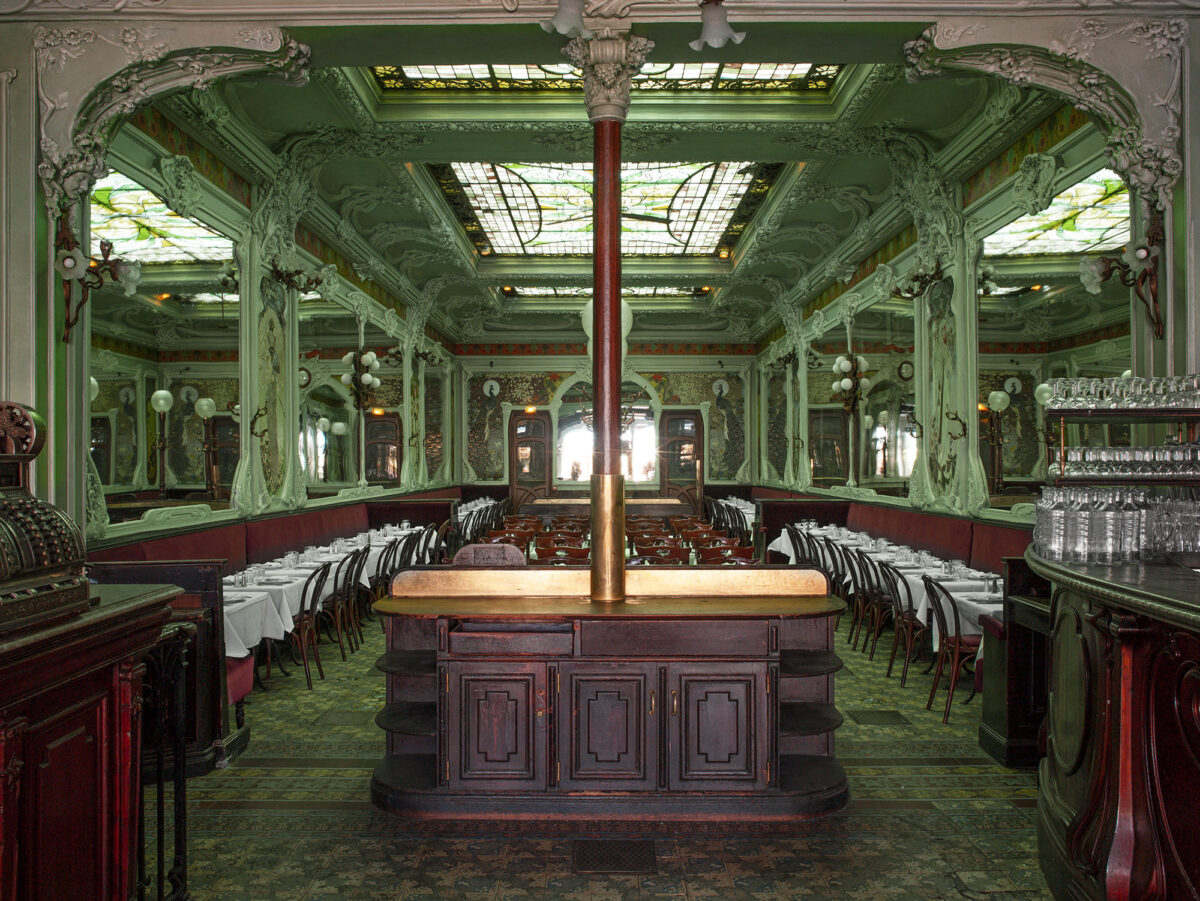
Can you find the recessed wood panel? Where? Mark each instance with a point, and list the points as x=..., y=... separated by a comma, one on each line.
x=718, y=722
x=500, y=715
x=608, y=735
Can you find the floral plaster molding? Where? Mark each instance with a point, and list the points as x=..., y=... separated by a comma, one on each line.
x=180, y=184
x=130, y=67
x=1033, y=183
x=1126, y=72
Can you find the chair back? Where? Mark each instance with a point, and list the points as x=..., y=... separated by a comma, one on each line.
x=502, y=555
x=837, y=565
x=360, y=563
x=545, y=541
x=902, y=603
x=654, y=561
x=723, y=553
x=945, y=611
x=314, y=588
x=796, y=540
x=383, y=565
x=564, y=553
x=673, y=554
x=872, y=581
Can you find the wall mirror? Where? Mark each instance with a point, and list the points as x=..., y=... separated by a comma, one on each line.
x=1037, y=321
x=163, y=358
x=574, y=442
x=885, y=340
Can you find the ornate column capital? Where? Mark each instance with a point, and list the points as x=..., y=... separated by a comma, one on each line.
x=609, y=61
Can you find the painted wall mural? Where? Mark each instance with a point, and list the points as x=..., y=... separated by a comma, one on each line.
x=777, y=437
x=1023, y=447
x=485, y=422
x=117, y=403
x=185, y=448
x=434, y=437
x=943, y=330
x=272, y=341
x=727, y=413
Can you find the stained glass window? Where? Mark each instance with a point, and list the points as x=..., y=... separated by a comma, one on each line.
x=1092, y=214
x=691, y=76
x=141, y=227
x=546, y=208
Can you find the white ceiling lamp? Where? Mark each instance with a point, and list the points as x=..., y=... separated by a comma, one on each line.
x=568, y=20
x=714, y=27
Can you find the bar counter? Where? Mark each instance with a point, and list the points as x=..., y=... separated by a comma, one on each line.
x=1118, y=785
x=709, y=693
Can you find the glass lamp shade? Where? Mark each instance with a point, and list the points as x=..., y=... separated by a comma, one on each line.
x=1042, y=393
x=868, y=421
x=162, y=400
x=1127, y=374
x=206, y=407
x=568, y=20
x=714, y=27
x=837, y=384
x=884, y=417
x=368, y=358
x=864, y=385
x=998, y=401
x=847, y=366
x=348, y=357
x=348, y=378
x=365, y=379
x=847, y=384
x=862, y=363
x=93, y=388
x=338, y=428
x=322, y=424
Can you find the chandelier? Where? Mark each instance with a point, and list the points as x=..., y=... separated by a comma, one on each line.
x=588, y=417
x=850, y=380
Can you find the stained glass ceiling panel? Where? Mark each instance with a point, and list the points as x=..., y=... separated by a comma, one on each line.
x=1091, y=215
x=692, y=76
x=668, y=209
x=141, y=227
x=640, y=291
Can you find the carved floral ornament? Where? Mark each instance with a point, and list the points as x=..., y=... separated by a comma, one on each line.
x=1136, y=95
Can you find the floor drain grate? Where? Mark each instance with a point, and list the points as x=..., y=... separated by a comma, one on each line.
x=613, y=856
x=879, y=718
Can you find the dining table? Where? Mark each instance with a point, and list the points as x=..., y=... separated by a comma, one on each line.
x=250, y=616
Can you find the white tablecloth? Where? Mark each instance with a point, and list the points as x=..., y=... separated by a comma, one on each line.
x=249, y=618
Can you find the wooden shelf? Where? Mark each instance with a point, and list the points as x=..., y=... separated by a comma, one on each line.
x=410, y=772
x=808, y=663
x=805, y=773
x=1125, y=415
x=408, y=663
x=409, y=718
x=798, y=718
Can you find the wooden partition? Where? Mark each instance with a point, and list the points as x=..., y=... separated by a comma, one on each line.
x=210, y=738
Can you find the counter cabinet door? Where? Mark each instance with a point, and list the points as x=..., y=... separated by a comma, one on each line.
x=609, y=725
x=717, y=726
x=497, y=714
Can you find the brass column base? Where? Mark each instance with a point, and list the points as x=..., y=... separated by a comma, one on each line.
x=608, y=538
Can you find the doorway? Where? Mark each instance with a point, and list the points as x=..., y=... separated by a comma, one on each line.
x=681, y=457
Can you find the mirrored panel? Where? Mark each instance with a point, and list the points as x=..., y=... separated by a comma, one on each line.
x=1037, y=320
x=829, y=412
x=574, y=440
x=884, y=340
x=163, y=357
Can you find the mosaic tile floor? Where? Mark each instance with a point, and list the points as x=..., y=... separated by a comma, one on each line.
x=931, y=817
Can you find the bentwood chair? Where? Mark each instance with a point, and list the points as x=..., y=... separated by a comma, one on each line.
x=304, y=627
x=910, y=630
x=954, y=649
x=333, y=612
x=383, y=568
x=562, y=553
x=663, y=554
x=878, y=597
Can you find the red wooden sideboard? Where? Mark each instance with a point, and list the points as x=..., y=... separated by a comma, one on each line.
x=70, y=747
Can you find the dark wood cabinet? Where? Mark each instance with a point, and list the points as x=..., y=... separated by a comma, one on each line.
x=717, y=734
x=548, y=707
x=498, y=715
x=609, y=726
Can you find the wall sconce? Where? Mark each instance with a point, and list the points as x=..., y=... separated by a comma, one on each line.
x=296, y=279
x=913, y=428
x=851, y=380
x=1136, y=268
x=361, y=379
x=568, y=20
x=427, y=357
x=206, y=409
x=997, y=403
x=714, y=27
x=73, y=265
x=162, y=401
x=918, y=283
x=954, y=417
x=228, y=279
x=339, y=429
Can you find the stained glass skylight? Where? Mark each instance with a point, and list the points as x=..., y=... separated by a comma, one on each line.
x=640, y=291
x=1091, y=215
x=546, y=208
x=141, y=227
x=690, y=76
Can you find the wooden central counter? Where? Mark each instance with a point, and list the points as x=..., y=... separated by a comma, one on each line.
x=709, y=693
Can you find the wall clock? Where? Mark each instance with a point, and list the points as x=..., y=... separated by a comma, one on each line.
x=905, y=370
x=491, y=388
x=305, y=377
x=1012, y=385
